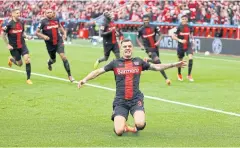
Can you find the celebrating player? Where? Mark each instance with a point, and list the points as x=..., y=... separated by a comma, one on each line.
x=127, y=71
x=148, y=34
x=183, y=35
x=16, y=43
x=109, y=34
x=50, y=27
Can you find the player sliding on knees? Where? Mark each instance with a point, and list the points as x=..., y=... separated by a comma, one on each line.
x=127, y=71
x=183, y=35
x=16, y=43
x=49, y=31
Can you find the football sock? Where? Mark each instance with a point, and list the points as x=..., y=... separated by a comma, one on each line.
x=67, y=67
x=28, y=70
x=179, y=70
x=190, y=64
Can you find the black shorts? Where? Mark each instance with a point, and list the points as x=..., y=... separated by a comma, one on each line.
x=181, y=52
x=69, y=33
x=123, y=109
x=53, y=49
x=17, y=53
x=110, y=47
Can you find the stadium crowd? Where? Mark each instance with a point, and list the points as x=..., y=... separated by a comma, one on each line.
x=208, y=12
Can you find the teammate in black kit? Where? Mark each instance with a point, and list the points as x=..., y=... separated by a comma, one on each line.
x=148, y=34
x=50, y=27
x=183, y=35
x=127, y=71
x=109, y=34
x=16, y=43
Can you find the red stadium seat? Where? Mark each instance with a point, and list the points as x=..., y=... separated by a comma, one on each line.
x=196, y=31
x=224, y=32
x=201, y=33
x=207, y=33
x=213, y=32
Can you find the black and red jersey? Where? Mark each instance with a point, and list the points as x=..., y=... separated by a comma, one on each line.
x=183, y=32
x=50, y=27
x=111, y=36
x=14, y=32
x=148, y=35
x=127, y=76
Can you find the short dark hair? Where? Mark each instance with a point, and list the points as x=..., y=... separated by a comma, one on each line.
x=125, y=40
x=15, y=9
x=146, y=16
x=184, y=16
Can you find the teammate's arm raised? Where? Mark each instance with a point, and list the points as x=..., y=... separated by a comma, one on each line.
x=91, y=76
x=158, y=67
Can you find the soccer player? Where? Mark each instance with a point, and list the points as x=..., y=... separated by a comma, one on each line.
x=183, y=35
x=50, y=27
x=148, y=34
x=127, y=71
x=109, y=34
x=14, y=31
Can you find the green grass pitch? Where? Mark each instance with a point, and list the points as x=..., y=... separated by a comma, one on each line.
x=55, y=113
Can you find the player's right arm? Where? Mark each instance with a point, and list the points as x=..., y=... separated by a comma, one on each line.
x=38, y=31
x=175, y=36
x=4, y=37
x=90, y=76
x=103, y=32
x=96, y=73
x=139, y=35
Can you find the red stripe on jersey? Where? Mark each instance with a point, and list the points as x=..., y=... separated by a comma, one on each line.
x=113, y=34
x=54, y=34
x=186, y=37
x=129, y=81
x=19, y=35
x=150, y=38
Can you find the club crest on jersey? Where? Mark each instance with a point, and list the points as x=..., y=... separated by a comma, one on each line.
x=136, y=63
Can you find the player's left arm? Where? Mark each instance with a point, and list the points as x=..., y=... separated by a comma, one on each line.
x=62, y=30
x=90, y=76
x=159, y=67
x=191, y=35
x=160, y=36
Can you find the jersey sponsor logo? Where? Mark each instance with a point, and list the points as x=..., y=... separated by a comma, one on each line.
x=51, y=27
x=146, y=36
x=184, y=33
x=15, y=31
x=124, y=71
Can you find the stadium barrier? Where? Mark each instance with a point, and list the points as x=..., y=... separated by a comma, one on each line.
x=213, y=45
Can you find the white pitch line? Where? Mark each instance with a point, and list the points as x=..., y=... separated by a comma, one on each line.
x=149, y=97
x=197, y=57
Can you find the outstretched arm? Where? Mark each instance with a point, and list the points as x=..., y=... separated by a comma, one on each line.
x=90, y=76
x=158, y=67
